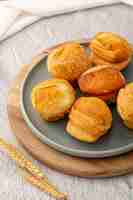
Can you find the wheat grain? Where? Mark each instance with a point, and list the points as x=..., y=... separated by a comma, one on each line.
x=35, y=176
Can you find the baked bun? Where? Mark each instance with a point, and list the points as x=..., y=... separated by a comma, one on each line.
x=53, y=98
x=125, y=105
x=99, y=61
x=68, y=61
x=110, y=48
x=102, y=81
x=89, y=119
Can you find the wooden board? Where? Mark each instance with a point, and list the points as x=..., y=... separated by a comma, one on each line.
x=56, y=160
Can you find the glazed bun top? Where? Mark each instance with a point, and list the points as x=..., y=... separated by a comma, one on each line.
x=101, y=79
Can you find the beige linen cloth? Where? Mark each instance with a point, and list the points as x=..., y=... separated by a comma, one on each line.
x=17, y=14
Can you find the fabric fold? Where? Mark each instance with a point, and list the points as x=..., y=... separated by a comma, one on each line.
x=17, y=14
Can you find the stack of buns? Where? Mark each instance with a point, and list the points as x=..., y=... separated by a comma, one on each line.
x=99, y=77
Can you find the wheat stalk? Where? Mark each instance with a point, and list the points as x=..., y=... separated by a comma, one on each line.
x=35, y=176
x=44, y=186
x=20, y=159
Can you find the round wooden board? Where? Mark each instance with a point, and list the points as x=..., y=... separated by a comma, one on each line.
x=67, y=164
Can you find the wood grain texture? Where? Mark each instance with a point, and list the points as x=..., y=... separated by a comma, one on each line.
x=56, y=160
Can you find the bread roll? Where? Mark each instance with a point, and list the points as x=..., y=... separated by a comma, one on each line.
x=102, y=81
x=68, y=62
x=52, y=99
x=89, y=119
x=125, y=105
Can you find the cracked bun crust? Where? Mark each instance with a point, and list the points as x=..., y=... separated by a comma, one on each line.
x=89, y=119
x=125, y=105
x=53, y=98
x=68, y=61
x=110, y=48
x=101, y=81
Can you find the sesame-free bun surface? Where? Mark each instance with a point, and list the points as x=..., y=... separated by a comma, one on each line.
x=89, y=119
x=110, y=48
x=125, y=105
x=53, y=98
x=102, y=80
x=99, y=61
x=68, y=61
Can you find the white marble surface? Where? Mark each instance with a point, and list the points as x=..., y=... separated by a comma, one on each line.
x=19, y=50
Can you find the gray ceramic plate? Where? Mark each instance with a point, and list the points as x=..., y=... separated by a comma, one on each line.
x=119, y=140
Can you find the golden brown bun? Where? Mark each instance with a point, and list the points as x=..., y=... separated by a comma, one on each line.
x=98, y=61
x=125, y=104
x=68, y=61
x=53, y=98
x=89, y=119
x=102, y=80
x=110, y=48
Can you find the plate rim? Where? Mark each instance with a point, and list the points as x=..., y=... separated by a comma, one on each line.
x=59, y=147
